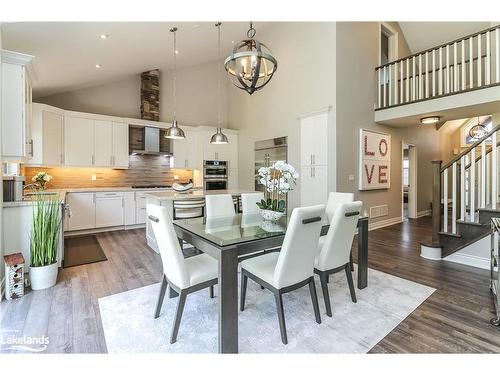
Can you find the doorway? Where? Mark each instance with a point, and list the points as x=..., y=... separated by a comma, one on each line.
x=409, y=182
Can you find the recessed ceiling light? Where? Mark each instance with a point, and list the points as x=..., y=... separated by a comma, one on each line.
x=98, y=66
x=232, y=41
x=430, y=120
x=104, y=36
x=176, y=52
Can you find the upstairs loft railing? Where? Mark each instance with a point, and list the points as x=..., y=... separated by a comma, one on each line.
x=465, y=64
x=466, y=183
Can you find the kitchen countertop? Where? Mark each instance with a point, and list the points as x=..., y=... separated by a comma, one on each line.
x=193, y=194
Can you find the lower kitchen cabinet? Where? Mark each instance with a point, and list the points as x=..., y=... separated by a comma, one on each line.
x=82, y=211
x=109, y=209
x=313, y=185
x=129, y=208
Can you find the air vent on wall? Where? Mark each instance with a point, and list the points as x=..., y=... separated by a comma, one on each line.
x=379, y=211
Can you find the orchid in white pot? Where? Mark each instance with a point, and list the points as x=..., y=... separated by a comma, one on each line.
x=278, y=180
x=41, y=178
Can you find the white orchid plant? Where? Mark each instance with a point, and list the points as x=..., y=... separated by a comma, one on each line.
x=41, y=178
x=278, y=180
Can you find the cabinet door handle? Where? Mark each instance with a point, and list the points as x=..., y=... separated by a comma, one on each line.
x=311, y=157
x=314, y=159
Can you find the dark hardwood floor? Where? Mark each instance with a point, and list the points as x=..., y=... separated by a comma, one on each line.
x=455, y=319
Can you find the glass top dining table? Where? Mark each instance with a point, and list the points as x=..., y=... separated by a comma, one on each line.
x=230, y=239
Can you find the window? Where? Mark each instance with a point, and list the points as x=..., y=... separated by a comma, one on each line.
x=406, y=172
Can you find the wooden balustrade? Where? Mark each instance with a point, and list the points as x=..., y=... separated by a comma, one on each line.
x=468, y=63
x=465, y=184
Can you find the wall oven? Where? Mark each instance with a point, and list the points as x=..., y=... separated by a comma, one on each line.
x=215, y=175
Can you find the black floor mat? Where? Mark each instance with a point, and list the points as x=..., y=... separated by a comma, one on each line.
x=82, y=250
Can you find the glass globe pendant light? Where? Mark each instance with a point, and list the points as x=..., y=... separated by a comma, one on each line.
x=218, y=138
x=251, y=64
x=174, y=132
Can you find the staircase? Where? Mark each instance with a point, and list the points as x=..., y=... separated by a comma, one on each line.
x=465, y=196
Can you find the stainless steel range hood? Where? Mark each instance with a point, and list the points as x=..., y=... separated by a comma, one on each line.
x=149, y=142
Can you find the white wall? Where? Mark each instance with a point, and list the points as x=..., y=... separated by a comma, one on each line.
x=196, y=97
x=304, y=82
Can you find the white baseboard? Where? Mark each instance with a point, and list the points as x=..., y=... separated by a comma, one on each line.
x=469, y=260
x=423, y=213
x=385, y=223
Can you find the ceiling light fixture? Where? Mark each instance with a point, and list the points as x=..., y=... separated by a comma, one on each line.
x=104, y=36
x=174, y=132
x=98, y=66
x=251, y=64
x=430, y=120
x=218, y=138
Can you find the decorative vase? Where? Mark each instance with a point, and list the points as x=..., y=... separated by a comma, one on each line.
x=43, y=277
x=269, y=215
x=272, y=226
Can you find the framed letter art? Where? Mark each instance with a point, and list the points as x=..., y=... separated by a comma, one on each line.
x=374, y=160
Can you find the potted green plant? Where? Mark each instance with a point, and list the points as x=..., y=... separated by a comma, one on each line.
x=41, y=178
x=45, y=237
x=278, y=180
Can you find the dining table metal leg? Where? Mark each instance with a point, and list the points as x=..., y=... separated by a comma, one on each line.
x=228, y=302
x=363, y=254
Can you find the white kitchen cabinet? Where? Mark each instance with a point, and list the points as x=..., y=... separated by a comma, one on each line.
x=78, y=141
x=129, y=209
x=313, y=185
x=140, y=204
x=120, y=145
x=82, y=211
x=47, y=133
x=186, y=155
x=103, y=143
x=226, y=152
x=314, y=139
x=109, y=209
x=17, y=143
x=232, y=178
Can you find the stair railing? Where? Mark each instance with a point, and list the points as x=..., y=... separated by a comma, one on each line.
x=465, y=64
x=466, y=183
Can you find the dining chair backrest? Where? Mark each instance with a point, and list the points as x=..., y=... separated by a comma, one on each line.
x=296, y=259
x=336, y=249
x=334, y=200
x=219, y=205
x=249, y=202
x=172, y=258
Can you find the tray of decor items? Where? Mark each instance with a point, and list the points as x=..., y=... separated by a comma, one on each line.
x=182, y=188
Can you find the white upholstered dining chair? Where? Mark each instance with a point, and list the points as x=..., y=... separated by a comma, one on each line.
x=292, y=267
x=183, y=275
x=219, y=205
x=334, y=200
x=334, y=249
x=249, y=202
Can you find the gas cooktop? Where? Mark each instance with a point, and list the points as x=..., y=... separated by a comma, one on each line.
x=151, y=186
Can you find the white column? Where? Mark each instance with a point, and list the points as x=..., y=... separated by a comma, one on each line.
x=462, y=188
x=472, y=178
x=494, y=170
x=445, y=200
x=483, y=174
x=454, y=198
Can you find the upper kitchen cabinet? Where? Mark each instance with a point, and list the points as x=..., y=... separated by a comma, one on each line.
x=15, y=100
x=47, y=134
x=120, y=145
x=226, y=152
x=78, y=142
x=186, y=154
x=110, y=144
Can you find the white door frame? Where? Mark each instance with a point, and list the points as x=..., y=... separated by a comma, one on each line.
x=392, y=34
x=412, y=191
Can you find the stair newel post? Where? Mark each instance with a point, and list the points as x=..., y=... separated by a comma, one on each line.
x=436, y=199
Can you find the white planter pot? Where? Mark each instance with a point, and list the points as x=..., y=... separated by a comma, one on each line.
x=271, y=215
x=43, y=277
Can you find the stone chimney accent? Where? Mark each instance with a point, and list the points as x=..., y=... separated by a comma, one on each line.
x=150, y=95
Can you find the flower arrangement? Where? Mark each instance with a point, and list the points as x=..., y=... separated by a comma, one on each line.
x=278, y=180
x=41, y=178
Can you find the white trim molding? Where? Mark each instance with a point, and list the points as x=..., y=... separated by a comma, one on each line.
x=431, y=252
x=385, y=223
x=424, y=213
x=469, y=260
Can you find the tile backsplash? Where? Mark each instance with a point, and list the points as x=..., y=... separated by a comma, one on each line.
x=143, y=170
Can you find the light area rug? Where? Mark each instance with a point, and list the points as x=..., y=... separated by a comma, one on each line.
x=129, y=326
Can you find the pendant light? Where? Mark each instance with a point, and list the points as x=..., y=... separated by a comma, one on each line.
x=218, y=138
x=174, y=132
x=251, y=64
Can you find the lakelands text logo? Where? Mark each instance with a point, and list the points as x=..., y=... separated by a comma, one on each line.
x=24, y=343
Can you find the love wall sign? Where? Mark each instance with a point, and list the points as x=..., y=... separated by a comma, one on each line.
x=374, y=160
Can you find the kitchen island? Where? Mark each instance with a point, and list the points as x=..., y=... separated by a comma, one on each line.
x=167, y=199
